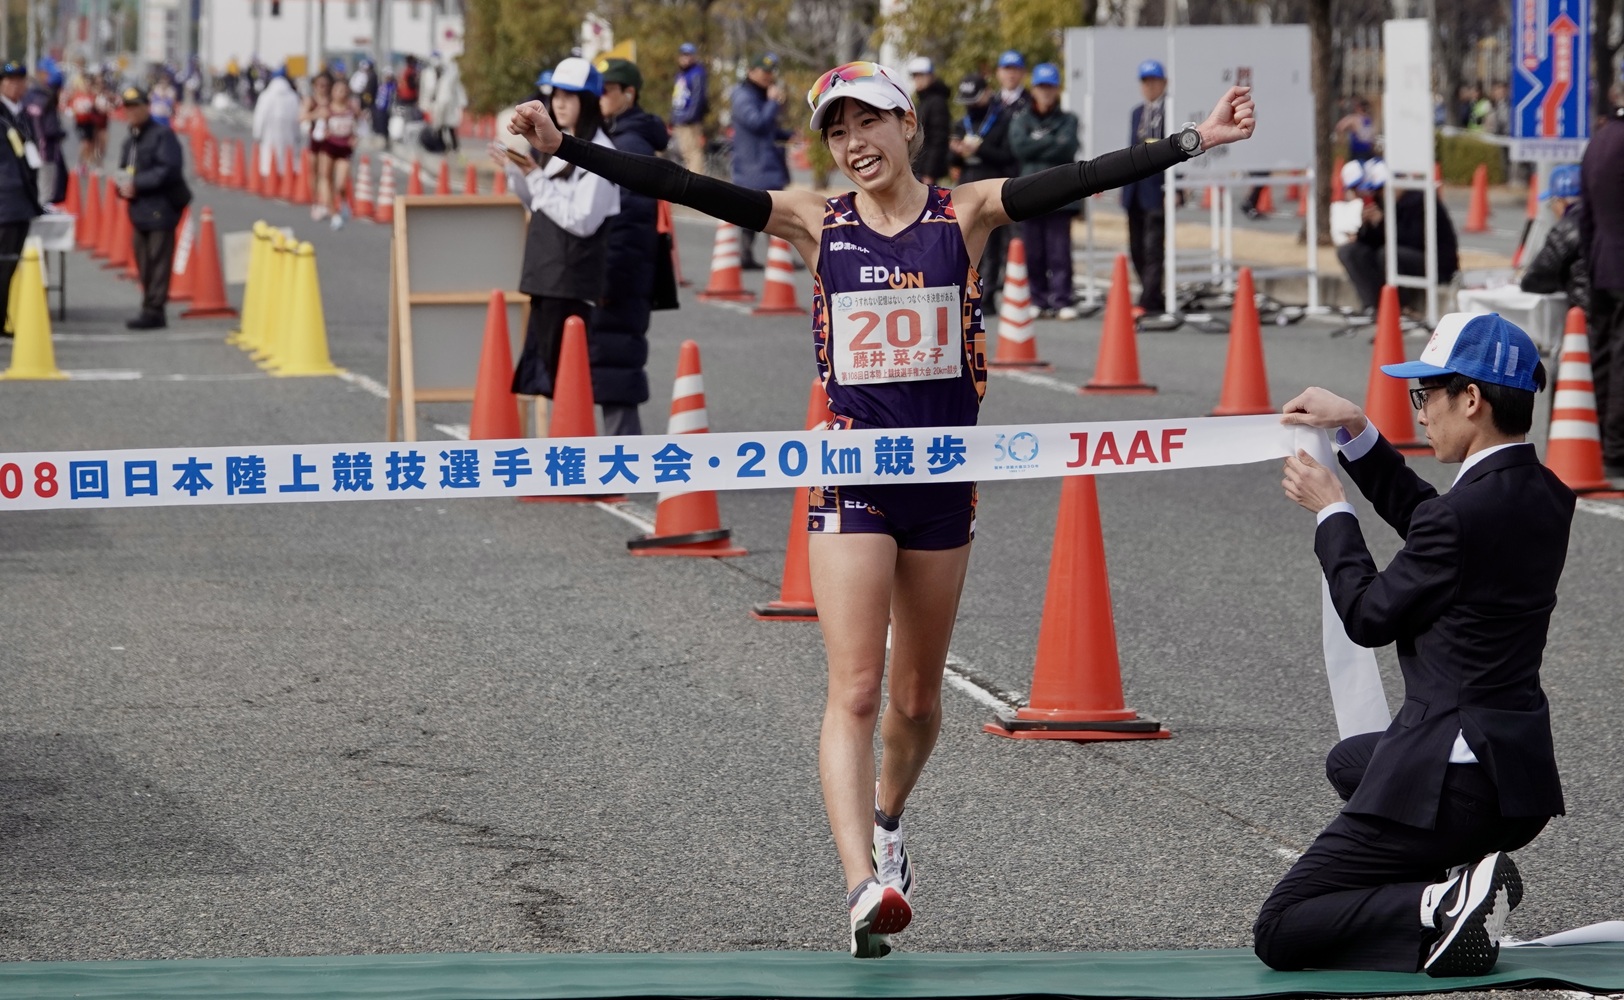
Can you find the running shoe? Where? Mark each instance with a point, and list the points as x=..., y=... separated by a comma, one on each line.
x=337, y=223
x=890, y=855
x=1472, y=919
x=880, y=910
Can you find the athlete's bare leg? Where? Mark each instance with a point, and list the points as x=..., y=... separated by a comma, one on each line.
x=341, y=181
x=851, y=585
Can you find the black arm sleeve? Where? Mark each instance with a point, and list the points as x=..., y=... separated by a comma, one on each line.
x=744, y=207
x=1050, y=190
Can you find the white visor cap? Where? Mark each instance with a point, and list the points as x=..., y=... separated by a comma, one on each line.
x=878, y=89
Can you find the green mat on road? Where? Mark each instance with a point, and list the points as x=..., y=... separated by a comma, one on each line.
x=1232, y=973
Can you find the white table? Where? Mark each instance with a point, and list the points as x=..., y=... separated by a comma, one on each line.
x=1543, y=317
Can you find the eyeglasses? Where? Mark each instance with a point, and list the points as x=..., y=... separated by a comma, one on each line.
x=1418, y=396
x=849, y=73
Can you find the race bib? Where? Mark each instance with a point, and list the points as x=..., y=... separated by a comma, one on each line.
x=896, y=335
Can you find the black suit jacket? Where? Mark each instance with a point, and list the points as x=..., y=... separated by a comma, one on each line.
x=1468, y=601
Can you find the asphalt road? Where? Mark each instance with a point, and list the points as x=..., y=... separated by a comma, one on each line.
x=482, y=726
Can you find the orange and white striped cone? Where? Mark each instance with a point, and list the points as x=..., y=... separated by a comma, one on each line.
x=1573, y=450
x=687, y=523
x=470, y=180
x=414, y=183
x=361, y=205
x=384, y=213
x=778, y=286
x=1017, y=339
x=727, y=274
x=442, y=184
x=181, y=273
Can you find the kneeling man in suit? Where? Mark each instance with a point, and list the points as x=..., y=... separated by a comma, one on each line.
x=1412, y=875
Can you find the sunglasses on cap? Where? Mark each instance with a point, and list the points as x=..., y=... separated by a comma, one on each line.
x=849, y=73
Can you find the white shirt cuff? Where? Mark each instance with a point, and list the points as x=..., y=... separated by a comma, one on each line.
x=1355, y=448
x=1340, y=507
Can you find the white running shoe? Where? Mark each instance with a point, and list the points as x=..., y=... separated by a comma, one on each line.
x=1065, y=313
x=1471, y=918
x=891, y=865
x=880, y=910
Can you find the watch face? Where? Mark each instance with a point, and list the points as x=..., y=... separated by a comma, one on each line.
x=1189, y=140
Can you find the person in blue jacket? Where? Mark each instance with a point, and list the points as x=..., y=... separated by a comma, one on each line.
x=758, y=139
x=617, y=337
x=1147, y=240
x=690, y=102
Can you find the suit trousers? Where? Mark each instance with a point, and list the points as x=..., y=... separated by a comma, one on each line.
x=1607, y=367
x=1048, y=258
x=12, y=237
x=1353, y=901
x=154, y=259
x=1147, y=246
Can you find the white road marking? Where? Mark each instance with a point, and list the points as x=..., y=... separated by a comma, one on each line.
x=131, y=375
x=1612, y=510
x=133, y=338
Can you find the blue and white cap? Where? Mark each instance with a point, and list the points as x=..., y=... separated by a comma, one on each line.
x=1046, y=75
x=1481, y=346
x=1150, y=69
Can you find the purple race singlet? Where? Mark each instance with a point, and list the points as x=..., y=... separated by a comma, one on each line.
x=896, y=320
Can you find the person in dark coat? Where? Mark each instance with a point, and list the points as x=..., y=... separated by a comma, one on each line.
x=980, y=147
x=1044, y=136
x=617, y=343
x=1147, y=211
x=758, y=140
x=1601, y=230
x=19, y=177
x=154, y=184
x=1365, y=256
x=935, y=121
x=1413, y=874
x=1561, y=265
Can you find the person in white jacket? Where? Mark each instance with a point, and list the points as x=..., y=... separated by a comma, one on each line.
x=565, y=269
x=449, y=100
x=276, y=124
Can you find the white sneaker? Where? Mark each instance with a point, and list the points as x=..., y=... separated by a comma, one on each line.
x=1066, y=313
x=891, y=865
x=880, y=910
x=1471, y=919
x=337, y=223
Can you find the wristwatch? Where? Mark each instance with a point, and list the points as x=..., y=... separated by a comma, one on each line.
x=1189, y=140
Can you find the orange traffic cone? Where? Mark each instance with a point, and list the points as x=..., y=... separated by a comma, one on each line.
x=687, y=523
x=1116, y=370
x=795, y=602
x=663, y=223
x=470, y=180
x=132, y=270
x=112, y=205
x=778, y=286
x=1246, y=381
x=239, y=167
x=271, y=183
x=1573, y=450
x=251, y=181
x=572, y=415
x=1077, y=680
x=89, y=227
x=302, y=192
x=208, y=287
x=496, y=409
x=499, y=185
x=1017, y=340
x=442, y=185
x=361, y=205
x=121, y=251
x=1531, y=212
x=1265, y=201
x=1302, y=201
x=414, y=184
x=1338, y=192
x=1387, y=399
x=180, y=269
x=72, y=196
x=385, y=211
x=726, y=277
x=1477, y=213
x=1206, y=198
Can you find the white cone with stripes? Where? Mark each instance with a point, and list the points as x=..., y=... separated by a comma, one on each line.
x=778, y=289
x=687, y=523
x=361, y=204
x=1017, y=339
x=1573, y=450
x=726, y=276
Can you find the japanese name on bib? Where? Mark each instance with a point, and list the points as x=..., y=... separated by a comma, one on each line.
x=896, y=334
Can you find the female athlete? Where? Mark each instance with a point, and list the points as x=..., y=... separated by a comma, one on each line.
x=888, y=555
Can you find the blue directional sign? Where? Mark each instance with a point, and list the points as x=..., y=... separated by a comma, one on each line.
x=1550, y=80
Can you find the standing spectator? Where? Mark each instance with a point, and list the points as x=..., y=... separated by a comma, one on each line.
x=935, y=121
x=758, y=140
x=449, y=100
x=19, y=181
x=1601, y=229
x=154, y=183
x=42, y=105
x=1011, y=74
x=617, y=345
x=690, y=102
x=407, y=84
x=383, y=104
x=980, y=147
x=1498, y=119
x=1359, y=129
x=1365, y=258
x=1561, y=264
x=1147, y=216
x=276, y=124
x=566, y=252
x=1043, y=136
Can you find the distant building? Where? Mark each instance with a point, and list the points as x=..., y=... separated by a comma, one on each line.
x=275, y=31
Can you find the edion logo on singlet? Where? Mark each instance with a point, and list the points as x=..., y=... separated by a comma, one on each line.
x=842, y=245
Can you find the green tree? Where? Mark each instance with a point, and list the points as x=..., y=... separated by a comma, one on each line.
x=508, y=43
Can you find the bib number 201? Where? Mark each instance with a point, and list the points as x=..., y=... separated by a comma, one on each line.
x=896, y=335
x=903, y=328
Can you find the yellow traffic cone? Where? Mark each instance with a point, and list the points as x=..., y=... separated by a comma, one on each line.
x=304, y=347
x=278, y=305
x=32, y=357
x=12, y=302
x=243, y=335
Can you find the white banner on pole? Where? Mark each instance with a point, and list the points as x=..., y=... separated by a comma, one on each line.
x=1407, y=97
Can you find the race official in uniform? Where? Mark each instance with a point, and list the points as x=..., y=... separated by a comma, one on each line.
x=154, y=183
x=19, y=175
x=1413, y=874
